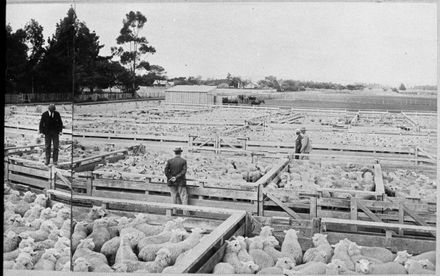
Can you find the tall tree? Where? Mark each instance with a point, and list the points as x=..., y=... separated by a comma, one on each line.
x=136, y=46
x=16, y=59
x=35, y=43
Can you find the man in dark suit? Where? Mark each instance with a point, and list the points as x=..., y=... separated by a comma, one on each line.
x=297, y=143
x=51, y=126
x=175, y=171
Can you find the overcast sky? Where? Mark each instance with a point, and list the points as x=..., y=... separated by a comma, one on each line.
x=339, y=42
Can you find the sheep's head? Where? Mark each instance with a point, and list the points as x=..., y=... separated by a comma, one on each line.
x=47, y=213
x=253, y=267
x=64, y=213
x=256, y=243
x=51, y=255
x=86, y=243
x=122, y=221
x=285, y=263
x=57, y=206
x=336, y=267
x=411, y=263
x=402, y=257
x=48, y=226
x=29, y=197
x=163, y=257
x=233, y=246
x=266, y=231
x=242, y=241
x=319, y=238
x=81, y=264
x=179, y=222
x=291, y=233
x=41, y=200
x=97, y=212
x=27, y=243
x=81, y=226
x=271, y=241
x=363, y=266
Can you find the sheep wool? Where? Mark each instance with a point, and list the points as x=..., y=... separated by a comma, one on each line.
x=148, y=252
x=266, y=231
x=367, y=267
x=79, y=234
x=162, y=260
x=417, y=267
x=312, y=268
x=379, y=253
x=281, y=264
x=430, y=256
x=81, y=265
x=243, y=254
x=10, y=241
x=135, y=234
x=125, y=251
x=162, y=237
x=291, y=246
x=248, y=268
x=178, y=248
x=223, y=268
x=100, y=234
x=269, y=247
x=261, y=258
x=341, y=253
x=231, y=254
x=47, y=261
x=109, y=248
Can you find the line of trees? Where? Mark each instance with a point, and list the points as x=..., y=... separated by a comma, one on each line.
x=70, y=60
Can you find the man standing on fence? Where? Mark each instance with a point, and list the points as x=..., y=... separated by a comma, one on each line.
x=51, y=126
x=175, y=171
x=297, y=143
x=306, y=144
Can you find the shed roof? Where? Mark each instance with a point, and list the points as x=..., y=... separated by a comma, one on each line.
x=191, y=88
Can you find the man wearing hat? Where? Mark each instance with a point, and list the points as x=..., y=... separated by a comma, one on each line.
x=51, y=126
x=175, y=171
x=306, y=145
x=297, y=143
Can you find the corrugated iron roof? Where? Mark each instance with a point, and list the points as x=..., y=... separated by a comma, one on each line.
x=191, y=88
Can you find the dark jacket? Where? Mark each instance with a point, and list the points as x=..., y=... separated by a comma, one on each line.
x=176, y=167
x=49, y=124
x=298, y=144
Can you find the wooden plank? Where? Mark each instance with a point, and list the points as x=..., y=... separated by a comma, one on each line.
x=378, y=224
x=353, y=213
x=27, y=170
x=418, y=219
x=378, y=179
x=367, y=211
x=282, y=205
x=29, y=181
x=213, y=260
x=190, y=260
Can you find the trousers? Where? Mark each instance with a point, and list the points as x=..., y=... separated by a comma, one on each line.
x=179, y=195
x=49, y=139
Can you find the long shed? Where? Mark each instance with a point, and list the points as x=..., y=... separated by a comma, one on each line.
x=191, y=94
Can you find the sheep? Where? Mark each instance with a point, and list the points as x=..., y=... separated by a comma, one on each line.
x=25, y=245
x=148, y=229
x=135, y=234
x=248, y=268
x=29, y=197
x=100, y=234
x=63, y=259
x=162, y=260
x=47, y=214
x=266, y=231
x=125, y=251
x=341, y=253
x=367, y=267
x=81, y=265
x=57, y=207
x=62, y=243
x=23, y=262
x=18, y=225
x=178, y=248
x=42, y=234
x=281, y=264
x=79, y=233
x=162, y=237
x=65, y=229
x=413, y=266
x=33, y=213
x=231, y=254
x=8, y=264
x=314, y=268
x=291, y=247
x=269, y=247
x=321, y=252
x=337, y=267
x=430, y=256
x=98, y=262
x=61, y=216
x=47, y=260
x=261, y=258
x=223, y=268
x=10, y=241
x=41, y=200
x=354, y=252
x=148, y=252
x=110, y=247
x=243, y=254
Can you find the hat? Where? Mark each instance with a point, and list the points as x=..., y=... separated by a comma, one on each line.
x=178, y=149
x=52, y=107
x=303, y=128
x=297, y=130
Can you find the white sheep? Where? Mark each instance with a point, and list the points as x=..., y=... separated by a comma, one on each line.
x=231, y=254
x=403, y=256
x=125, y=251
x=23, y=262
x=162, y=260
x=164, y=236
x=291, y=247
x=269, y=244
x=418, y=267
x=41, y=200
x=266, y=231
x=135, y=234
x=33, y=213
x=63, y=259
x=261, y=258
x=42, y=234
x=313, y=268
x=65, y=229
x=178, y=248
x=354, y=251
x=248, y=268
x=57, y=206
x=378, y=253
x=109, y=248
x=100, y=234
x=223, y=268
x=79, y=233
x=10, y=241
x=148, y=252
x=281, y=264
x=81, y=265
x=47, y=214
x=322, y=250
x=98, y=262
x=61, y=216
x=367, y=267
x=341, y=253
x=243, y=254
x=47, y=261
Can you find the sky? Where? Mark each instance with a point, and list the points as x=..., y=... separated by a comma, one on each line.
x=387, y=43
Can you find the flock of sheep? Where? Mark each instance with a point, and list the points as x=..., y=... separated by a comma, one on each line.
x=263, y=255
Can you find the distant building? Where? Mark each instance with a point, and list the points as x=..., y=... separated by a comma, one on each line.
x=251, y=85
x=163, y=83
x=192, y=94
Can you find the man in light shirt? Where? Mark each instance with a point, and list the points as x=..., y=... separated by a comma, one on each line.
x=306, y=144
